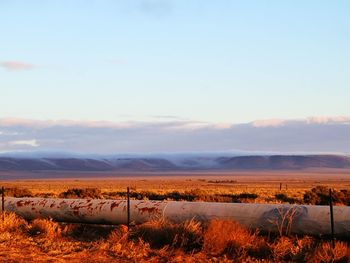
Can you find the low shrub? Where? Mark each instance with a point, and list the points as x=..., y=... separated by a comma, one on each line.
x=319, y=195
x=18, y=192
x=88, y=232
x=241, y=198
x=81, y=193
x=232, y=239
x=46, y=195
x=222, y=181
x=161, y=233
x=284, y=198
x=192, y=195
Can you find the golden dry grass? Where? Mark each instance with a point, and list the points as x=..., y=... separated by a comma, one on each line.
x=43, y=240
x=225, y=237
x=188, y=236
x=326, y=253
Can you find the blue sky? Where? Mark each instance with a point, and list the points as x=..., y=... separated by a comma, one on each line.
x=107, y=76
x=213, y=61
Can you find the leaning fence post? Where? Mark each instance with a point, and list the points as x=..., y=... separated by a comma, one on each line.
x=2, y=202
x=128, y=206
x=332, y=216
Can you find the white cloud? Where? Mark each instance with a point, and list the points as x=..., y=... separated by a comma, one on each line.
x=269, y=123
x=32, y=143
x=223, y=126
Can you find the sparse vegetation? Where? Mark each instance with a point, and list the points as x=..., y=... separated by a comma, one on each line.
x=192, y=195
x=189, y=187
x=222, y=181
x=316, y=196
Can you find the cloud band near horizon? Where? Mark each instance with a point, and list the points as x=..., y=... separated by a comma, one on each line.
x=314, y=134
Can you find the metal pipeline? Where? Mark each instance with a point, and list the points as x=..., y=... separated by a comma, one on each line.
x=298, y=219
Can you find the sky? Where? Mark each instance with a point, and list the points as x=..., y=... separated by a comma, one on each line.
x=158, y=62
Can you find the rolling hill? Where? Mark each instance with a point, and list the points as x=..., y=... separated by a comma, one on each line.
x=174, y=163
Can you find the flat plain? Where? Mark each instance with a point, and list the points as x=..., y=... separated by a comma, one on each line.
x=265, y=184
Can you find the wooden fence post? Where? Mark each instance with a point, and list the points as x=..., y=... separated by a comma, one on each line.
x=2, y=202
x=128, y=206
x=332, y=216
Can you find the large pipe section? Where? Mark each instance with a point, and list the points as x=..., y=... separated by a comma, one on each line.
x=298, y=219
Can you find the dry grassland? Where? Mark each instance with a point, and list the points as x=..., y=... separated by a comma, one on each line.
x=264, y=184
x=43, y=240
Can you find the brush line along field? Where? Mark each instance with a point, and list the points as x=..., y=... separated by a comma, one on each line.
x=256, y=187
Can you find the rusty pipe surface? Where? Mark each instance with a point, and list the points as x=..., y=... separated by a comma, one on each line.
x=298, y=219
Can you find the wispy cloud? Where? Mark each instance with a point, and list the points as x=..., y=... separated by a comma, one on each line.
x=309, y=120
x=6, y=133
x=329, y=119
x=269, y=123
x=32, y=143
x=17, y=65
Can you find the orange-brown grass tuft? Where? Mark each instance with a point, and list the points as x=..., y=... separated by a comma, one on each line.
x=291, y=248
x=136, y=251
x=118, y=245
x=12, y=223
x=46, y=228
x=326, y=253
x=231, y=238
x=189, y=236
x=118, y=234
x=160, y=233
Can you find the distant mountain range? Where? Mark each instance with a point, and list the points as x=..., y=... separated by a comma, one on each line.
x=173, y=163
